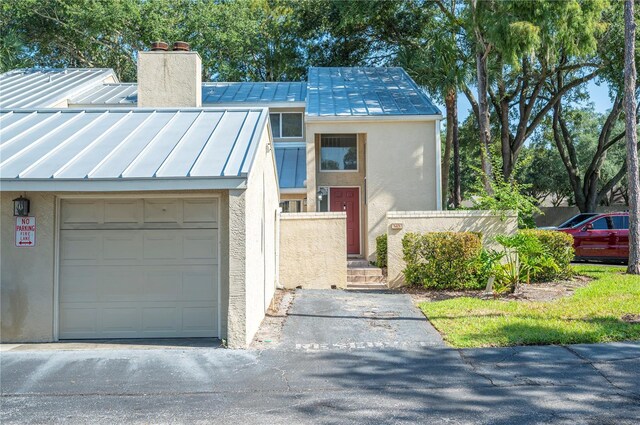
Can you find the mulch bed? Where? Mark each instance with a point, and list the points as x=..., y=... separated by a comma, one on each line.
x=526, y=292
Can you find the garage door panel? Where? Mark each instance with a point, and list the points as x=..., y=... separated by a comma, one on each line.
x=197, y=318
x=136, y=281
x=80, y=248
x=200, y=210
x=120, y=319
x=156, y=319
x=162, y=211
x=78, y=320
x=78, y=211
x=122, y=211
x=196, y=285
x=121, y=246
x=198, y=245
x=78, y=284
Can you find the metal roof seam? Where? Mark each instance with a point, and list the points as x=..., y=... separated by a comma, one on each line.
x=204, y=145
x=117, y=148
x=26, y=148
x=233, y=146
x=254, y=137
x=147, y=147
x=250, y=154
x=175, y=147
x=60, y=146
x=38, y=90
x=93, y=143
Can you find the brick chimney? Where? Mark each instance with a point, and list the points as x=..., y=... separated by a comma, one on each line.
x=169, y=79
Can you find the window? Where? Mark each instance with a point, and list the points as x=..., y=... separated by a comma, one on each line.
x=286, y=124
x=620, y=221
x=600, y=224
x=291, y=206
x=323, y=199
x=573, y=222
x=338, y=152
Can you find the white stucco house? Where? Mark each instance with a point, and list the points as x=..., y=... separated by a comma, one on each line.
x=156, y=204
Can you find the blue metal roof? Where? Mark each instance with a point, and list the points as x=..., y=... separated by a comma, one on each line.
x=364, y=92
x=292, y=165
x=80, y=147
x=264, y=92
x=212, y=93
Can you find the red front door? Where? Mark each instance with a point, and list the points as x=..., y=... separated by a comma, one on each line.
x=347, y=199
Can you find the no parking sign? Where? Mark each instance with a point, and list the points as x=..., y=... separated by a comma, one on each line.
x=25, y=231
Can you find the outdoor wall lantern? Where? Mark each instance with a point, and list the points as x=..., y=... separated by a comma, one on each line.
x=322, y=192
x=21, y=207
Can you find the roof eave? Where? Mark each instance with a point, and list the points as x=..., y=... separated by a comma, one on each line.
x=123, y=184
x=371, y=118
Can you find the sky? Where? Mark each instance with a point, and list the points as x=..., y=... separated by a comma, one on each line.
x=599, y=95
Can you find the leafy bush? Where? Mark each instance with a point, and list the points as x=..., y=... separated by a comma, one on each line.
x=525, y=256
x=442, y=260
x=560, y=247
x=381, y=251
x=508, y=195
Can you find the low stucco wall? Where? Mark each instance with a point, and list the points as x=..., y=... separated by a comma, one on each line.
x=313, y=250
x=490, y=225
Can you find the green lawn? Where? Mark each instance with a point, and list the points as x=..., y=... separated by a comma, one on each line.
x=591, y=314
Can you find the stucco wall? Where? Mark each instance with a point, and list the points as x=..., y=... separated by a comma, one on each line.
x=26, y=277
x=260, y=207
x=169, y=79
x=485, y=222
x=27, y=274
x=313, y=250
x=402, y=170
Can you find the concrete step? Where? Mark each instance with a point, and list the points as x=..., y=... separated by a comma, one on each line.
x=364, y=271
x=358, y=263
x=365, y=279
x=367, y=287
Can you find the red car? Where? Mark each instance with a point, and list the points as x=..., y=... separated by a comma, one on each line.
x=603, y=237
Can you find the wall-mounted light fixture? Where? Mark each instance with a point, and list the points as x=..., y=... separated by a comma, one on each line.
x=21, y=207
x=322, y=192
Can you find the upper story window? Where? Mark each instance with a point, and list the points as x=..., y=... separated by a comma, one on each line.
x=338, y=152
x=286, y=124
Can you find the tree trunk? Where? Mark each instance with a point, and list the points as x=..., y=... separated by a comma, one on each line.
x=482, y=53
x=483, y=122
x=633, y=174
x=448, y=145
x=457, y=195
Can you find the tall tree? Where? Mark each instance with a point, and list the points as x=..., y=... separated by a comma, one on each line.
x=631, y=136
x=436, y=62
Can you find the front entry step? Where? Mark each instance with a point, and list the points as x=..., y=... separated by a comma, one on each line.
x=362, y=276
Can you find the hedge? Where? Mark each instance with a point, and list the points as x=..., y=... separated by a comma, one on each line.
x=381, y=251
x=560, y=247
x=442, y=260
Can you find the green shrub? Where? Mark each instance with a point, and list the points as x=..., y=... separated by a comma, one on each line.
x=381, y=251
x=442, y=260
x=559, y=246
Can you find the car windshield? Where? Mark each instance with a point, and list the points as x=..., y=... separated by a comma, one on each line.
x=576, y=220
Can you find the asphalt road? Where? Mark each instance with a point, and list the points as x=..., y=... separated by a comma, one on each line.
x=347, y=360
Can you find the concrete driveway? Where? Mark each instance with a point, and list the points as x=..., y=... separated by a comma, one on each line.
x=316, y=375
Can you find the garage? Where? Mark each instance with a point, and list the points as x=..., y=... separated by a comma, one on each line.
x=138, y=268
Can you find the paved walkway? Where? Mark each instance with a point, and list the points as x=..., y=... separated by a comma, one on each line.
x=328, y=384
x=335, y=320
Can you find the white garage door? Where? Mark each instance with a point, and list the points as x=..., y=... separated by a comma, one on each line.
x=138, y=268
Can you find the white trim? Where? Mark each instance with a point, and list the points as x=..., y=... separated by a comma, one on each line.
x=294, y=191
x=438, y=168
x=360, y=214
x=265, y=104
x=56, y=266
x=369, y=118
x=357, y=170
x=56, y=270
x=122, y=184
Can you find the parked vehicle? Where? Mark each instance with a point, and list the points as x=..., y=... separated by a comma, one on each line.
x=603, y=237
